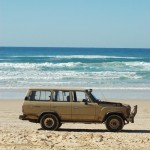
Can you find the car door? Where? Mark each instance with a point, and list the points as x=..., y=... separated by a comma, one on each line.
x=82, y=111
x=61, y=104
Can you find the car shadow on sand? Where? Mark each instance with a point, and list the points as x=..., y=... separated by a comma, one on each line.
x=98, y=130
x=136, y=131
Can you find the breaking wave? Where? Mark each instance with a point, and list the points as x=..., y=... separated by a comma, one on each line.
x=79, y=66
x=73, y=56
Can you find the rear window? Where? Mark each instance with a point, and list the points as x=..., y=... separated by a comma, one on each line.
x=39, y=95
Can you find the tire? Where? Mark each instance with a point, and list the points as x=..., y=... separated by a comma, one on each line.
x=60, y=124
x=114, y=123
x=49, y=122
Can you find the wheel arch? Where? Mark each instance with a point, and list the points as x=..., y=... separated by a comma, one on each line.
x=48, y=112
x=120, y=114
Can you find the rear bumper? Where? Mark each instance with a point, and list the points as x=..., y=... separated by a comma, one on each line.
x=132, y=114
x=22, y=117
x=25, y=117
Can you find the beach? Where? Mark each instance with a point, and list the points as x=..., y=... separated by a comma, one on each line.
x=21, y=135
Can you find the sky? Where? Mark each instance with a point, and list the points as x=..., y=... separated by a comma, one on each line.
x=75, y=23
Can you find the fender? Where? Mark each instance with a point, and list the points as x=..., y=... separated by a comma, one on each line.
x=113, y=113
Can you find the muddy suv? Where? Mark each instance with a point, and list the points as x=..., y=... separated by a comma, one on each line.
x=52, y=107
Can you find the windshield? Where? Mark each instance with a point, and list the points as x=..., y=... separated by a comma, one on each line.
x=93, y=97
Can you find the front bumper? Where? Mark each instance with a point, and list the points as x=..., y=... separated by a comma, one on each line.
x=132, y=114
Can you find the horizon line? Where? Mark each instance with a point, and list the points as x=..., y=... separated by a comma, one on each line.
x=72, y=47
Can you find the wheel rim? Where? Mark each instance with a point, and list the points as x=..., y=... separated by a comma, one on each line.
x=49, y=122
x=114, y=123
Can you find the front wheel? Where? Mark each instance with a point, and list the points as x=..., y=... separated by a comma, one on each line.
x=60, y=124
x=114, y=123
x=49, y=122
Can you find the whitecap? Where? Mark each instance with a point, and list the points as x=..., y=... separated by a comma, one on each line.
x=144, y=65
x=37, y=65
x=76, y=56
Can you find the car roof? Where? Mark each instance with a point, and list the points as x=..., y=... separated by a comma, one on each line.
x=61, y=89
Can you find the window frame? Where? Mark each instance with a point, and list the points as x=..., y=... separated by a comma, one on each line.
x=86, y=95
x=53, y=96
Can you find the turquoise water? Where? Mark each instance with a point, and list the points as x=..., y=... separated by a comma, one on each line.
x=98, y=68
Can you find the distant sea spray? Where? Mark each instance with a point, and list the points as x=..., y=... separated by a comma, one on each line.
x=74, y=67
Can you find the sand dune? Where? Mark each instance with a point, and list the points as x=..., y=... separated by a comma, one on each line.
x=23, y=135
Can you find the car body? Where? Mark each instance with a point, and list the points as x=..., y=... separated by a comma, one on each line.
x=52, y=107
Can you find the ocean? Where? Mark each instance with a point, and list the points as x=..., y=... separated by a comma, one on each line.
x=97, y=68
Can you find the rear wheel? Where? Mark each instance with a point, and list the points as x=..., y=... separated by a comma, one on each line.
x=49, y=122
x=114, y=123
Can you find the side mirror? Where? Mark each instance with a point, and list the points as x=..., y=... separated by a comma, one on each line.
x=85, y=101
x=26, y=98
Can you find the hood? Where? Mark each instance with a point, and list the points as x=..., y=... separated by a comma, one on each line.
x=110, y=103
x=126, y=105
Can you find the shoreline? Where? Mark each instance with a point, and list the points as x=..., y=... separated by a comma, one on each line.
x=133, y=94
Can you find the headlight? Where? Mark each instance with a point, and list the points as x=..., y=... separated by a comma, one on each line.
x=128, y=110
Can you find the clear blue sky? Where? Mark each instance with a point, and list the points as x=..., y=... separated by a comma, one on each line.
x=75, y=23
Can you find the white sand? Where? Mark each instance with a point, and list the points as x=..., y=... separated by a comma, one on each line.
x=23, y=135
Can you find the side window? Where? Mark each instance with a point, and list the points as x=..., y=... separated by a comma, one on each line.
x=37, y=95
x=45, y=95
x=40, y=95
x=61, y=96
x=80, y=96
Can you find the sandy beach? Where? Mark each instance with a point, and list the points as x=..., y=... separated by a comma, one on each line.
x=23, y=135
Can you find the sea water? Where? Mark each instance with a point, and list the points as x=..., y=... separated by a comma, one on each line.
x=104, y=69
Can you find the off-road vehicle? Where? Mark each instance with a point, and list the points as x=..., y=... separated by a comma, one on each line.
x=52, y=107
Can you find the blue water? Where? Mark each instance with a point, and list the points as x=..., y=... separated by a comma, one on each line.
x=100, y=68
